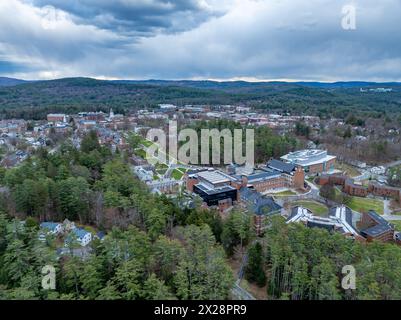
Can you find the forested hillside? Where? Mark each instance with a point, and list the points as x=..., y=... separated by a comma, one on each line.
x=301, y=263
x=153, y=248
x=34, y=100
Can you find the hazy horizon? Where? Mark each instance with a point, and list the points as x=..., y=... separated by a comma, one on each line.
x=206, y=80
x=251, y=40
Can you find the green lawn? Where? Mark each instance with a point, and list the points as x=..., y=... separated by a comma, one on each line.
x=161, y=166
x=316, y=207
x=161, y=171
x=176, y=174
x=140, y=153
x=397, y=225
x=284, y=193
x=365, y=204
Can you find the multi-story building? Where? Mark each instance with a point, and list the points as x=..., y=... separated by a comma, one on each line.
x=13, y=126
x=214, y=187
x=340, y=219
x=56, y=117
x=385, y=191
x=84, y=125
x=376, y=227
x=95, y=116
x=368, y=227
x=276, y=175
x=353, y=189
x=260, y=207
x=313, y=161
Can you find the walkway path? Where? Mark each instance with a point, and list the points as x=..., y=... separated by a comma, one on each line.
x=386, y=205
x=241, y=293
x=392, y=218
x=392, y=164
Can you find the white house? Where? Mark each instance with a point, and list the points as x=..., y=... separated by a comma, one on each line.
x=81, y=236
x=52, y=227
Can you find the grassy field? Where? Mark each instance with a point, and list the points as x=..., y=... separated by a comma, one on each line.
x=176, y=174
x=161, y=171
x=366, y=204
x=161, y=168
x=316, y=207
x=140, y=153
x=397, y=225
x=284, y=193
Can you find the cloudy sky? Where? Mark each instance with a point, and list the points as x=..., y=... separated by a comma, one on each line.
x=201, y=39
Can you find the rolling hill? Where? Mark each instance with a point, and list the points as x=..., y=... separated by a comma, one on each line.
x=5, y=82
x=32, y=100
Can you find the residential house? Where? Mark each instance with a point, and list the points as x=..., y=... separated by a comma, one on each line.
x=80, y=236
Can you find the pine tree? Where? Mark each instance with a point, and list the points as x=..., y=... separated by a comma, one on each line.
x=254, y=270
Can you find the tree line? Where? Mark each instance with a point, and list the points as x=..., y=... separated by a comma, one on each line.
x=300, y=263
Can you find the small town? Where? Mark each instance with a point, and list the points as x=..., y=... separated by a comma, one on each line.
x=296, y=185
x=196, y=158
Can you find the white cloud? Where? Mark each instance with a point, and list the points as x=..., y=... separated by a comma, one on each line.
x=254, y=39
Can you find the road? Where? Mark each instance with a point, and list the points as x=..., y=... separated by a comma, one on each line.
x=240, y=293
x=386, y=207
x=392, y=164
x=392, y=218
x=364, y=176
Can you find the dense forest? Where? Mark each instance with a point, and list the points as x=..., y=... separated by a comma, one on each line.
x=33, y=100
x=300, y=263
x=154, y=248
x=267, y=143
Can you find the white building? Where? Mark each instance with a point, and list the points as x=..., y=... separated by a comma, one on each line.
x=340, y=219
x=80, y=236
x=311, y=160
x=52, y=227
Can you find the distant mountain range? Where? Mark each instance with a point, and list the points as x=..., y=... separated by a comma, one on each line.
x=7, y=82
x=208, y=84
x=34, y=99
x=224, y=85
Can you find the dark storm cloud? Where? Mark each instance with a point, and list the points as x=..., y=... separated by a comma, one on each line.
x=217, y=39
x=136, y=16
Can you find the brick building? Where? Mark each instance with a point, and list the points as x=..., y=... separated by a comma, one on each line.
x=353, y=189
x=274, y=176
x=385, y=191
x=56, y=117
x=260, y=207
x=375, y=227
